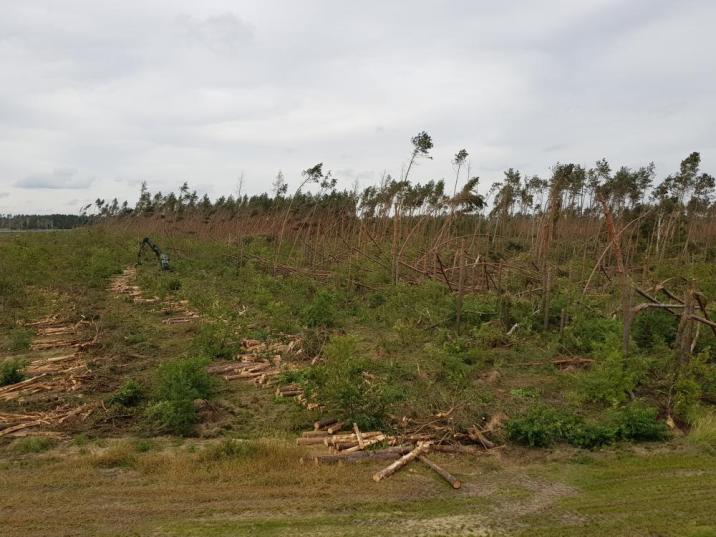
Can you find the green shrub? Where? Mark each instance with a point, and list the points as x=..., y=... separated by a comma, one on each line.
x=491, y=335
x=175, y=417
x=11, y=371
x=543, y=426
x=588, y=332
x=216, y=340
x=340, y=385
x=178, y=384
x=612, y=377
x=652, y=328
x=129, y=394
x=539, y=427
x=184, y=378
x=639, y=423
x=322, y=311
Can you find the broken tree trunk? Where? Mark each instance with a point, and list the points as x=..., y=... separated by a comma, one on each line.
x=447, y=476
x=685, y=333
x=402, y=461
x=625, y=289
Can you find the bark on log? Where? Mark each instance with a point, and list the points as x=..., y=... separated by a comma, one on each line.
x=447, y=476
x=366, y=443
x=335, y=427
x=402, y=461
x=325, y=422
x=458, y=448
x=359, y=437
x=337, y=438
x=378, y=455
x=313, y=434
x=310, y=441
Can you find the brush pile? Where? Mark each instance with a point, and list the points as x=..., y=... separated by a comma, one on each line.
x=55, y=366
x=260, y=362
x=354, y=445
x=28, y=424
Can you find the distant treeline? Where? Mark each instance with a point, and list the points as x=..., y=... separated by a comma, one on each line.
x=42, y=221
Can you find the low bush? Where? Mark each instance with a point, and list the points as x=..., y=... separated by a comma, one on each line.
x=491, y=335
x=322, y=311
x=341, y=386
x=543, y=426
x=11, y=371
x=178, y=384
x=174, y=417
x=539, y=427
x=216, y=340
x=639, y=423
x=588, y=332
x=612, y=378
x=128, y=395
x=652, y=328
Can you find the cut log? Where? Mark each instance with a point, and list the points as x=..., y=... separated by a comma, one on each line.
x=333, y=429
x=325, y=422
x=447, y=476
x=381, y=454
x=310, y=441
x=337, y=438
x=313, y=434
x=402, y=461
x=458, y=448
x=359, y=437
x=478, y=436
x=341, y=446
x=367, y=443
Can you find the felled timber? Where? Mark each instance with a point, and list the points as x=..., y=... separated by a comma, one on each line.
x=447, y=476
x=401, y=462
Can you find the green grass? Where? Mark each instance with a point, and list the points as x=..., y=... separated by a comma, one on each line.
x=233, y=487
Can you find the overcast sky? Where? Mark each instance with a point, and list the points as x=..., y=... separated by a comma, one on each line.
x=97, y=96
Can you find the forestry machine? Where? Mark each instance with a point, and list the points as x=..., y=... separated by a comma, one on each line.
x=163, y=258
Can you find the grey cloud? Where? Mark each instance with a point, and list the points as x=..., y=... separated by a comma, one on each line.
x=4, y=194
x=172, y=91
x=223, y=34
x=57, y=180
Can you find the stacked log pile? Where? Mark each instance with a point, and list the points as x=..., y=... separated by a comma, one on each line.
x=357, y=446
x=27, y=424
x=56, y=365
x=178, y=311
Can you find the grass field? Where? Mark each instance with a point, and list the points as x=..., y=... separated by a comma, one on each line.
x=233, y=468
x=127, y=487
